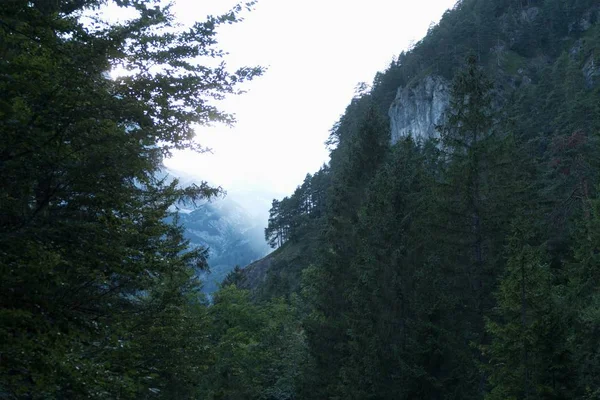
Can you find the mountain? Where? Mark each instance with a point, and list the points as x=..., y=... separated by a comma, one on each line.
x=233, y=234
x=450, y=249
x=543, y=59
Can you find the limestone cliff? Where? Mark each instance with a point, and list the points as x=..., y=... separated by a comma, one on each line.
x=417, y=109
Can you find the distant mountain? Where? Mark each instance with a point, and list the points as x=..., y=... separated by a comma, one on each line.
x=233, y=233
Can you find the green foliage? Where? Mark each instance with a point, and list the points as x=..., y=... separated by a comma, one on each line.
x=473, y=200
x=361, y=146
x=256, y=350
x=97, y=289
x=582, y=302
x=527, y=359
x=296, y=216
x=397, y=330
x=450, y=269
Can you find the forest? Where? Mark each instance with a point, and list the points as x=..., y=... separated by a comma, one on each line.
x=464, y=265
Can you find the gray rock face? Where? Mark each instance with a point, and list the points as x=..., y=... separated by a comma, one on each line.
x=588, y=19
x=418, y=109
x=576, y=49
x=591, y=72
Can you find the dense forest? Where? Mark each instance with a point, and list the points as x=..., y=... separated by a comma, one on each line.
x=461, y=265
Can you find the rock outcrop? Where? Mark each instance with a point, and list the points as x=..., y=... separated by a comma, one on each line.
x=591, y=72
x=417, y=109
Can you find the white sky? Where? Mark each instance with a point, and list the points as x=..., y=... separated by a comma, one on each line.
x=316, y=52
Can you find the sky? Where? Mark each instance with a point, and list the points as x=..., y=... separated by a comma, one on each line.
x=315, y=52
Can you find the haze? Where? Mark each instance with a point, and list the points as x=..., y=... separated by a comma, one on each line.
x=316, y=52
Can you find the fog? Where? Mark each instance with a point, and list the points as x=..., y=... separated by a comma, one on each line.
x=316, y=52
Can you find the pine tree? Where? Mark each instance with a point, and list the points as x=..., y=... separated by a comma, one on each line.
x=399, y=306
x=527, y=353
x=473, y=200
x=274, y=232
x=363, y=143
x=582, y=302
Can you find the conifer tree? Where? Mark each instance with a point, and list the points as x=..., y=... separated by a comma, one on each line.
x=472, y=206
x=527, y=356
x=363, y=143
x=400, y=304
x=274, y=231
x=582, y=302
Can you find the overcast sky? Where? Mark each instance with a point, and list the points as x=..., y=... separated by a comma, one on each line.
x=316, y=52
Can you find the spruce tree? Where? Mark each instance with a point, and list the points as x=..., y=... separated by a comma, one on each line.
x=582, y=301
x=474, y=199
x=528, y=357
x=401, y=306
x=363, y=143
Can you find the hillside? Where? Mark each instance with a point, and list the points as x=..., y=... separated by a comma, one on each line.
x=516, y=47
x=277, y=274
x=449, y=250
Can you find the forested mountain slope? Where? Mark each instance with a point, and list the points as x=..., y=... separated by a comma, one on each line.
x=526, y=49
x=450, y=249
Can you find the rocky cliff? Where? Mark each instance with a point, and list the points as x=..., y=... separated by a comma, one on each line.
x=420, y=103
x=418, y=108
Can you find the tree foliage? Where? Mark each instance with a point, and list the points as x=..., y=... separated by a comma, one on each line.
x=90, y=267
